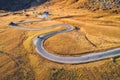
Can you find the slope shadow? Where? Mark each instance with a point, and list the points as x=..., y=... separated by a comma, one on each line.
x=70, y=16
x=16, y=5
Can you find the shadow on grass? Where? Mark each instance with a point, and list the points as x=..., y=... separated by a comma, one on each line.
x=71, y=16
x=16, y=5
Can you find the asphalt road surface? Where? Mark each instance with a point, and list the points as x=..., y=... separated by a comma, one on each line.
x=39, y=40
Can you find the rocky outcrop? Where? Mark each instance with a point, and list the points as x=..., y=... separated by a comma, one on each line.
x=94, y=4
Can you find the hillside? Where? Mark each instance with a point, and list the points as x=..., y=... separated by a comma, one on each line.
x=98, y=29
x=14, y=5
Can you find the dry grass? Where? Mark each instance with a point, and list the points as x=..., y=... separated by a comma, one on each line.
x=28, y=42
x=98, y=31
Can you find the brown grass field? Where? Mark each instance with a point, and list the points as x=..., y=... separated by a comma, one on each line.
x=98, y=31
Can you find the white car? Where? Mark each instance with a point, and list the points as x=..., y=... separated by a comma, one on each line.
x=41, y=36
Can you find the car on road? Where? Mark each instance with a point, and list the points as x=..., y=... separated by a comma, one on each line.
x=13, y=24
x=40, y=37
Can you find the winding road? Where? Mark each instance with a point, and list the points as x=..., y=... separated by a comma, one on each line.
x=39, y=40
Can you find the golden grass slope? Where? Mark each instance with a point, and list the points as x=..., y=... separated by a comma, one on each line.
x=97, y=32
